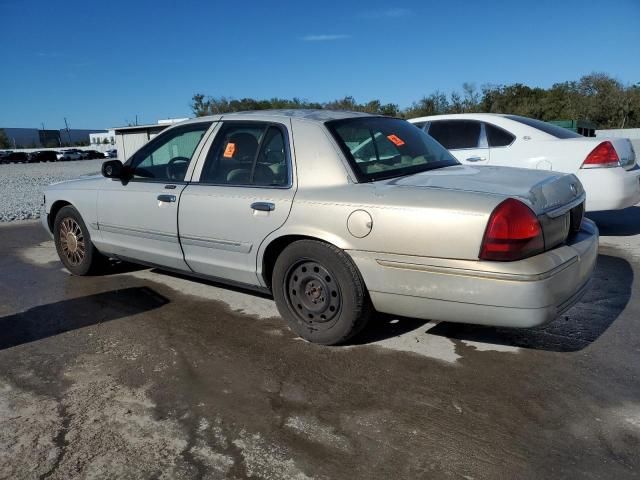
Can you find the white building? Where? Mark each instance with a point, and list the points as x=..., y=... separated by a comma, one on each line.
x=104, y=138
x=129, y=139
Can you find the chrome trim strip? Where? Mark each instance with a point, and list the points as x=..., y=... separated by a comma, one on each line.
x=477, y=273
x=219, y=244
x=136, y=232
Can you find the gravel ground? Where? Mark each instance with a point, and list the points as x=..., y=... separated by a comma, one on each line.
x=22, y=185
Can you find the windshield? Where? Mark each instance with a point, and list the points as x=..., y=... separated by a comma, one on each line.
x=548, y=128
x=382, y=147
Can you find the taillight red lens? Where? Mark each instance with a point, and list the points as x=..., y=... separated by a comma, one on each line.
x=513, y=233
x=604, y=155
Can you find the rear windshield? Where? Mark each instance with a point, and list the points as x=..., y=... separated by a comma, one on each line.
x=553, y=130
x=382, y=147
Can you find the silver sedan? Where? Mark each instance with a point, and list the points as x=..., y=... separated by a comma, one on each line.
x=336, y=215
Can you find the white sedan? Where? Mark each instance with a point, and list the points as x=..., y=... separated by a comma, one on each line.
x=606, y=166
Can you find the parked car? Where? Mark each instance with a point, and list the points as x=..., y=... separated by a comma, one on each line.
x=606, y=166
x=113, y=153
x=43, y=156
x=69, y=154
x=15, y=157
x=338, y=227
x=91, y=154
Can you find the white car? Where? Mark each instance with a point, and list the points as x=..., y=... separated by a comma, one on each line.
x=606, y=166
x=71, y=154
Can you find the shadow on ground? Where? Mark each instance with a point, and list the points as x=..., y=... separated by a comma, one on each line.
x=212, y=283
x=48, y=320
x=618, y=223
x=116, y=267
x=608, y=295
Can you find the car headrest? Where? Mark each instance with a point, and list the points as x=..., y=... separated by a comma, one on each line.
x=246, y=146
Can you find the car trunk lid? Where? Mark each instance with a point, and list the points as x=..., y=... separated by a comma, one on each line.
x=556, y=198
x=543, y=190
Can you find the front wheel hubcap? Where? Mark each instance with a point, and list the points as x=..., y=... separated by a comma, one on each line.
x=72, y=241
x=313, y=292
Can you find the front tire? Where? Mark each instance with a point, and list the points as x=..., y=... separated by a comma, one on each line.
x=73, y=244
x=320, y=293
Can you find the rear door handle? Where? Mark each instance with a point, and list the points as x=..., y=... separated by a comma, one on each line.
x=263, y=206
x=167, y=198
x=476, y=159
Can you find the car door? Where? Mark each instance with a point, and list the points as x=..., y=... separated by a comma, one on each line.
x=465, y=139
x=137, y=218
x=242, y=190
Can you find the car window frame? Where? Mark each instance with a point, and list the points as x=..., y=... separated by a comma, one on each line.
x=482, y=142
x=513, y=137
x=265, y=124
x=144, y=150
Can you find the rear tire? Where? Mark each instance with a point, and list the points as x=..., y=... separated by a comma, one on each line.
x=320, y=293
x=74, y=245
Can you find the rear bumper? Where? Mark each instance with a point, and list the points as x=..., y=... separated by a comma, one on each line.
x=610, y=188
x=525, y=293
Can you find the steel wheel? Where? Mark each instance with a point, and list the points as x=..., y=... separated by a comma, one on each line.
x=313, y=293
x=72, y=241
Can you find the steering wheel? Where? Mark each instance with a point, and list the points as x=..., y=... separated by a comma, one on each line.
x=177, y=167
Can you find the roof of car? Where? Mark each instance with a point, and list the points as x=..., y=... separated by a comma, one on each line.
x=304, y=114
x=462, y=116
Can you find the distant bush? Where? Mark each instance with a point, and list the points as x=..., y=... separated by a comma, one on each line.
x=596, y=97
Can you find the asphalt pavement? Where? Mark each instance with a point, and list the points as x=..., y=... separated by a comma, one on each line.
x=145, y=374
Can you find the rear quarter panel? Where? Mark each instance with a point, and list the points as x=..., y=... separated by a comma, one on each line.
x=404, y=220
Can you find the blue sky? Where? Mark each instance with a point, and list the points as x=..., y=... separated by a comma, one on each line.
x=102, y=63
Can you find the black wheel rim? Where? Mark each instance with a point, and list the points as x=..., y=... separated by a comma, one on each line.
x=313, y=293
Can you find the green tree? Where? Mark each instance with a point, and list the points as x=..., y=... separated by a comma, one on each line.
x=435, y=104
x=596, y=97
x=4, y=140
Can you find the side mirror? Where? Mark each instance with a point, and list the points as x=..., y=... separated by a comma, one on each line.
x=112, y=169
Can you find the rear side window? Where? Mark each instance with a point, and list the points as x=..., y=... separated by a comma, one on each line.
x=456, y=134
x=498, y=137
x=545, y=127
x=420, y=125
x=247, y=154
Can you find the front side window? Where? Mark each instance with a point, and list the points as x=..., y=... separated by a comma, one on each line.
x=167, y=157
x=381, y=147
x=456, y=134
x=252, y=154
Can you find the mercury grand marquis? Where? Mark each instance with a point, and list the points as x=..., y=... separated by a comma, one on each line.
x=337, y=215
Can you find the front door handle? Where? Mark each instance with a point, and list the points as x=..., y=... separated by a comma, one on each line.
x=476, y=159
x=263, y=206
x=167, y=198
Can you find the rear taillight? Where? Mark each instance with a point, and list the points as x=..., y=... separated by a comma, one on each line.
x=513, y=233
x=604, y=155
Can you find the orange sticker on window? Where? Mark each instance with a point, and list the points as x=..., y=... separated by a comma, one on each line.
x=397, y=141
x=229, y=150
